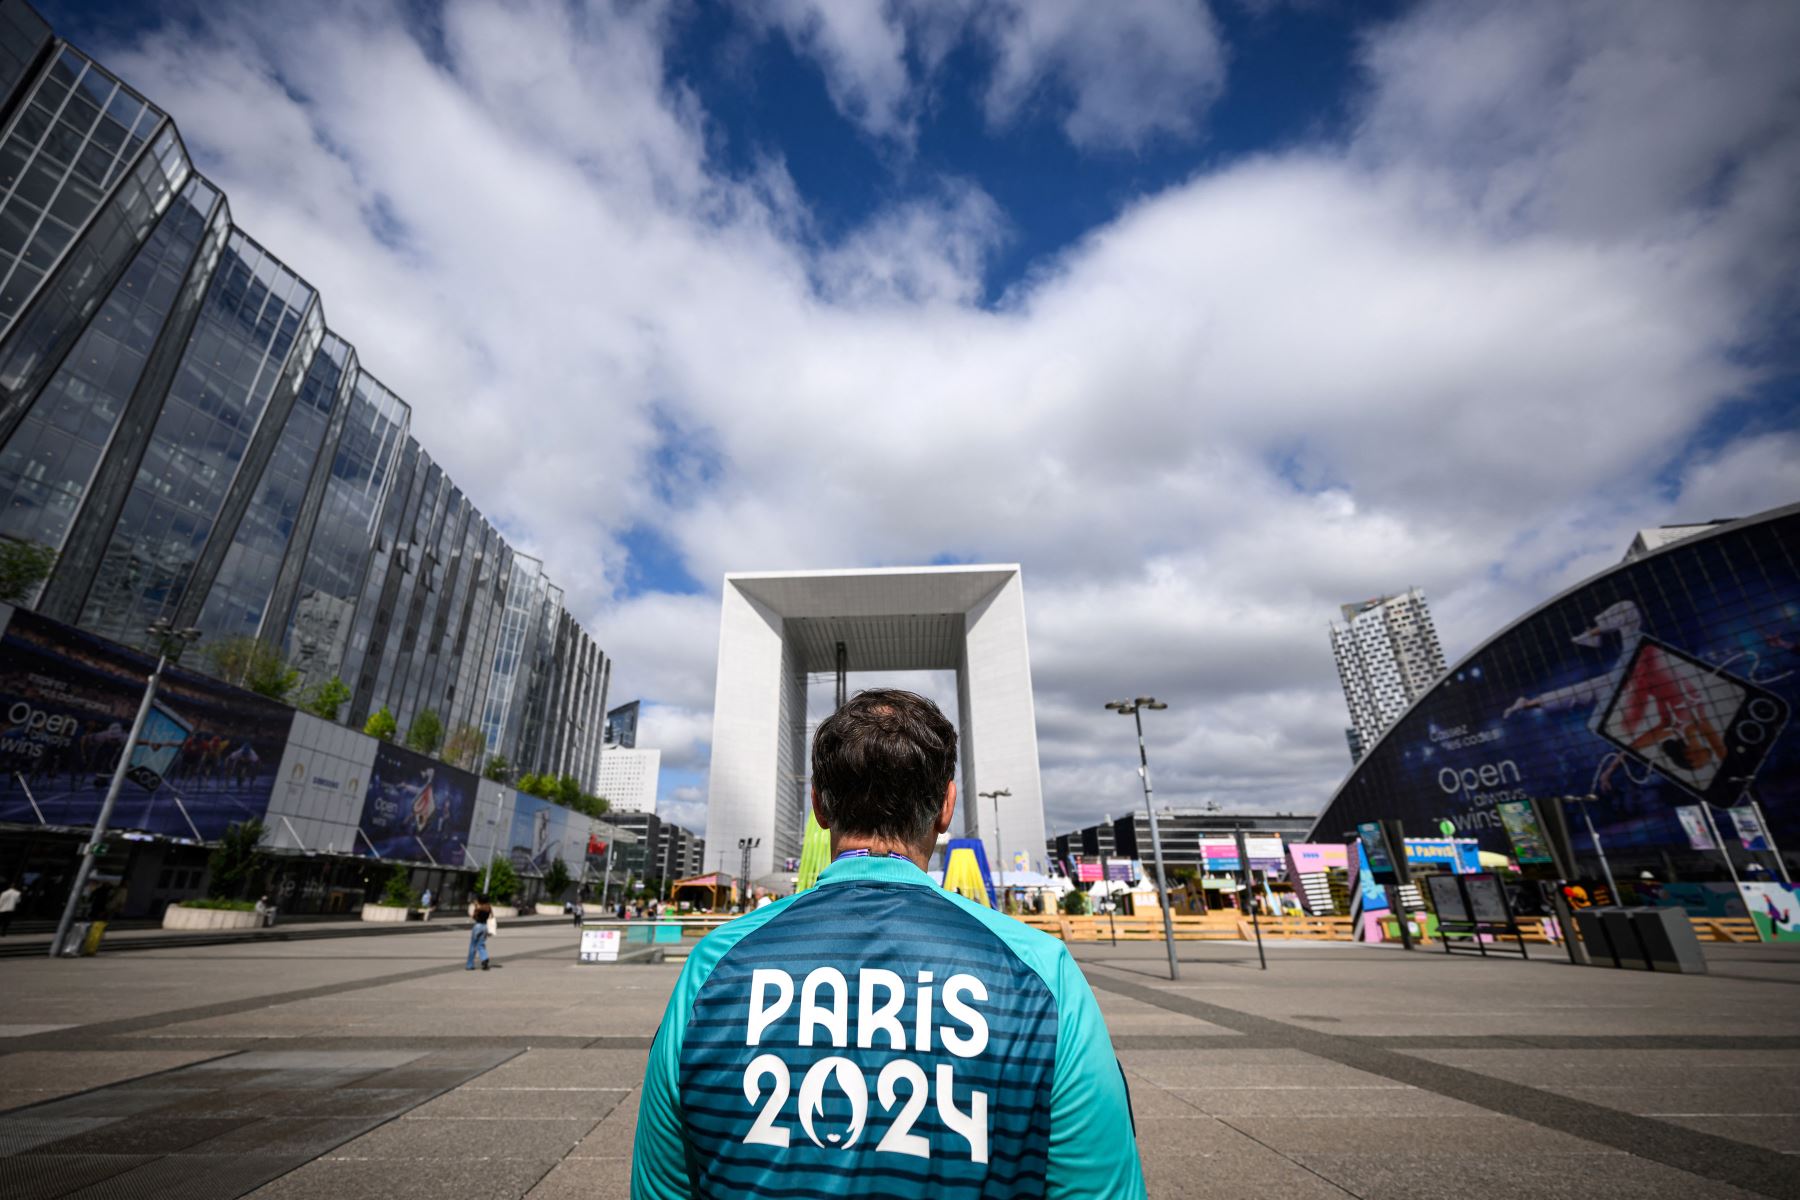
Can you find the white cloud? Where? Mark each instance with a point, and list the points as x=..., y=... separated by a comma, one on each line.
x=1465, y=349
x=1113, y=75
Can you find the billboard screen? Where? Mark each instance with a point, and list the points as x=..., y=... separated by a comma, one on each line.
x=417, y=809
x=1663, y=683
x=67, y=701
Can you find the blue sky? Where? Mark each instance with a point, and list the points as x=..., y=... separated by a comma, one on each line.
x=1212, y=315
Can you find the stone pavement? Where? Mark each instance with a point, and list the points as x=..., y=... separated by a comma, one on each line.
x=378, y=1067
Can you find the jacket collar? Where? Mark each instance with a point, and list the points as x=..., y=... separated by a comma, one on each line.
x=892, y=869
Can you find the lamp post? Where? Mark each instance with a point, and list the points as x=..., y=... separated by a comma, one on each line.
x=1132, y=708
x=1599, y=850
x=999, y=848
x=170, y=642
x=745, y=846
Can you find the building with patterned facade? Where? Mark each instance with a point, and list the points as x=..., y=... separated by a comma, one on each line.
x=1387, y=655
x=180, y=424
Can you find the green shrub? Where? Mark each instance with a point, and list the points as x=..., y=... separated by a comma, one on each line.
x=236, y=862
x=426, y=733
x=326, y=699
x=399, y=892
x=1075, y=904
x=227, y=905
x=381, y=724
x=502, y=885
x=557, y=879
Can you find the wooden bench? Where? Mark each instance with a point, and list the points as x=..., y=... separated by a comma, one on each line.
x=1725, y=929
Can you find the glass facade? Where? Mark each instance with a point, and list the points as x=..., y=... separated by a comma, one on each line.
x=1664, y=688
x=248, y=324
x=181, y=426
x=318, y=632
x=71, y=140
x=49, y=463
x=246, y=579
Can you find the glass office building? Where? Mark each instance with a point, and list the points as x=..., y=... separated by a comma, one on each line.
x=182, y=426
x=1664, y=688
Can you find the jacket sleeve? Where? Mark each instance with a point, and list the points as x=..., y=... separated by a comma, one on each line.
x=1093, y=1142
x=659, y=1155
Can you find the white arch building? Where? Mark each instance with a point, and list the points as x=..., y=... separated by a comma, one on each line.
x=777, y=627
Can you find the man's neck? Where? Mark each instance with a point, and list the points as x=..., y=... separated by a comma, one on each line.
x=878, y=848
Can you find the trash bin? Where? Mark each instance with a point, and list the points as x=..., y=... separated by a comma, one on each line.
x=1623, y=935
x=1668, y=936
x=1590, y=924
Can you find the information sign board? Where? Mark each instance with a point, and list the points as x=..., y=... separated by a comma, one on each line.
x=1486, y=898
x=599, y=945
x=1446, y=898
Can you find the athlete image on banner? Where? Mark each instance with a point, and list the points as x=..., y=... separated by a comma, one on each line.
x=417, y=809
x=67, y=702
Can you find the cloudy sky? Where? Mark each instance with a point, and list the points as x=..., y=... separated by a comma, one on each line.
x=1211, y=315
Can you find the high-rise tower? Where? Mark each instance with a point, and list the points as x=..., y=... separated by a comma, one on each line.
x=1387, y=655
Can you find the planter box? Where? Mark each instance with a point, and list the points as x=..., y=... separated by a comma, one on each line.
x=504, y=911
x=385, y=912
x=177, y=916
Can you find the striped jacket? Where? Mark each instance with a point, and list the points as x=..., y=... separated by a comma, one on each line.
x=879, y=1036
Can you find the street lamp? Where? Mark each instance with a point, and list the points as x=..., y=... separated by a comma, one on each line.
x=999, y=849
x=745, y=846
x=1132, y=708
x=170, y=642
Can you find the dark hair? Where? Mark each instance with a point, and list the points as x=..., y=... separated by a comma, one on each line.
x=881, y=763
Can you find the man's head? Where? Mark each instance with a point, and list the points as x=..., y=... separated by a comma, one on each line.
x=883, y=767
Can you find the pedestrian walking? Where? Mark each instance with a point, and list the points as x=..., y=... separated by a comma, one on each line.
x=481, y=918
x=265, y=912
x=575, y=909
x=425, y=903
x=9, y=903
x=1012, y=1086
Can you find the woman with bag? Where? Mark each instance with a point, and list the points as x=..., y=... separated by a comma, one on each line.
x=481, y=913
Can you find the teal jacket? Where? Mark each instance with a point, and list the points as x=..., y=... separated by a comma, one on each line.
x=879, y=1036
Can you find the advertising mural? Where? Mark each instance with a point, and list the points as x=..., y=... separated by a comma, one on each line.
x=67, y=701
x=542, y=831
x=417, y=809
x=1663, y=684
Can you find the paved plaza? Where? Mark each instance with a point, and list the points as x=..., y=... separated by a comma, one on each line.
x=377, y=1067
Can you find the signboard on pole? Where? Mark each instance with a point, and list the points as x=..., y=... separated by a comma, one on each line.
x=1530, y=843
x=1693, y=823
x=1750, y=829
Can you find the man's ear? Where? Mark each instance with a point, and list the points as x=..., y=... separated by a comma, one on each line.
x=947, y=810
x=818, y=810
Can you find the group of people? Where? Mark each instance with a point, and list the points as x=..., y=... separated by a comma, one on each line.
x=647, y=910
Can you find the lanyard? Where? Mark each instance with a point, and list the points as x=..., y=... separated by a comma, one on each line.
x=851, y=854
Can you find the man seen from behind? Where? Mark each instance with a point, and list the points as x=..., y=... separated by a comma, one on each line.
x=878, y=1036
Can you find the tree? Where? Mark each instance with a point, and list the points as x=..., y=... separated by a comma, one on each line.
x=557, y=878
x=497, y=768
x=1074, y=903
x=500, y=880
x=427, y=732
x=252, y=663
x=464, y=746
x=541, y=786
x=399, y=892
x=327, y=699
x=381, y=724
x=23, y=568
x=236, y=861
x=567, y=792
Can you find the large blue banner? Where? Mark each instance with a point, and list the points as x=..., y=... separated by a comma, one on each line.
x=417, y=809
x=1669, y=682
x=67, y=701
